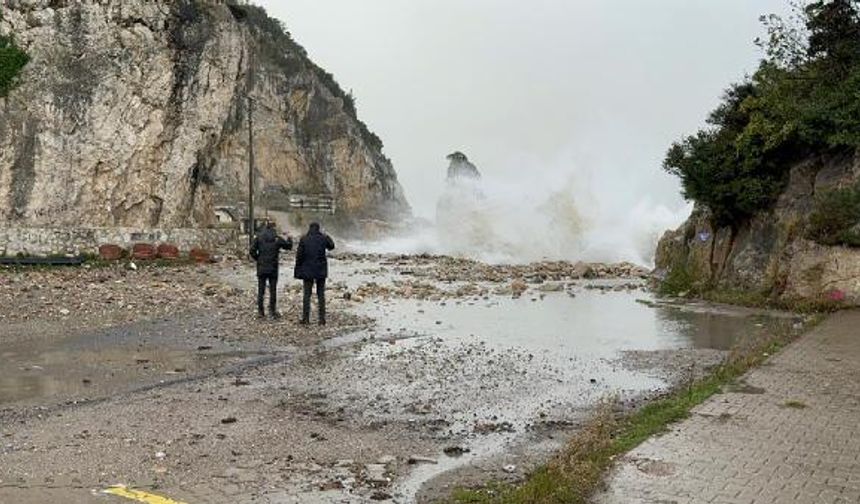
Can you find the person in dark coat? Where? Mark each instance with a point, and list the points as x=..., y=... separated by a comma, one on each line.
x=312, y=268
x=266, y=250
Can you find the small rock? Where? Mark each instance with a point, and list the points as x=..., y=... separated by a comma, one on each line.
x=417, y=459
x=455, y=451
x=228, y=420
x=510, y=468
x=331, y=485
x=551, y=287
x=518, y=287
x=376, y=474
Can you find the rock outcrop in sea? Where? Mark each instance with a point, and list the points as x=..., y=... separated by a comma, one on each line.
x=461, y=168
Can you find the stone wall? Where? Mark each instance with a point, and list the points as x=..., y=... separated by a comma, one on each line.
x=42, y=241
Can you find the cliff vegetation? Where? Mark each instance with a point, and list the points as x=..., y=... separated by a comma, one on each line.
x=802, y=100
x=12, y=60
x=775, y=174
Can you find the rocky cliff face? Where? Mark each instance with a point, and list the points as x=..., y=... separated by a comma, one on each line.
x=770, y=254
x=134, y=113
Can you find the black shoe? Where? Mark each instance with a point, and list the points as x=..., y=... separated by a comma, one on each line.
x=304, y=322
x=276, y=316
x=261, y=315
x=322, y=322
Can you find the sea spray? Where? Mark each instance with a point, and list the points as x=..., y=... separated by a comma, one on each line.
x=560, y=215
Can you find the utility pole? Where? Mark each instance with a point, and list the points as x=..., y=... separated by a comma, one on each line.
x=251, y=227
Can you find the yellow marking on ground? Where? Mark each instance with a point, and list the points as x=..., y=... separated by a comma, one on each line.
x=139, y=495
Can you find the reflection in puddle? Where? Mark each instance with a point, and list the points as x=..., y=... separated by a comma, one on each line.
x=590, y=324
x=568, y=352
x=72, y=374
x=77, y=366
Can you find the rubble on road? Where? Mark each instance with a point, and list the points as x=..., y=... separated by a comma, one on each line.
x=435, y=278
x=105, y=295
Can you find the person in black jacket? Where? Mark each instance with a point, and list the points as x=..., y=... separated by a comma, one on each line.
x=312, y=267
x=266, y=250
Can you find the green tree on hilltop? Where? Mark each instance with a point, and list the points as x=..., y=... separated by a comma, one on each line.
x=803, y=99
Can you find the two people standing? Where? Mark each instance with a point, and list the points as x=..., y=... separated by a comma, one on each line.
x=311, y=267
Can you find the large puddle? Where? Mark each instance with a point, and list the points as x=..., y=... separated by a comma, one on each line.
x=498, y=369
x=591, y=324
x=69, y=366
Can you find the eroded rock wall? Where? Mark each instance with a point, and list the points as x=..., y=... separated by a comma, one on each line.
x=133, y=113
x=770, y=254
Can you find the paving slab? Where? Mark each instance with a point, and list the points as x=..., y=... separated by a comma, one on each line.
x=791, y=435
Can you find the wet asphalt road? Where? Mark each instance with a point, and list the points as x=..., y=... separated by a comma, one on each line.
x=202, y=403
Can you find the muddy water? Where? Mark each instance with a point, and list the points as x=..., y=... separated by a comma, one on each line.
x=527, y=363
x=591, y=324
x=68, y=365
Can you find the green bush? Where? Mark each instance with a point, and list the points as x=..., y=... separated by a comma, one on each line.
x=835, y=219
x=12, y=60
x=679, y=281
x=803, y=99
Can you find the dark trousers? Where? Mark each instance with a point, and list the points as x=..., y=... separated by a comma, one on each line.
x=272, y=280
x=306, y=300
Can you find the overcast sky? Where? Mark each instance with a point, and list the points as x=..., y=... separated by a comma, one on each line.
x=525, y=88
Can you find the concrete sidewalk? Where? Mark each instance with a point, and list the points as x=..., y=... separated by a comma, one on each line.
x=789, y=434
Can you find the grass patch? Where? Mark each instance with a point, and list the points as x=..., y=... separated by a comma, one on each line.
x=679, y=281
x=575, y=473
x=680, y=286
x=753, y=299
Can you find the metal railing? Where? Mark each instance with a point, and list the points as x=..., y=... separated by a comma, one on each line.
x=317, y=203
